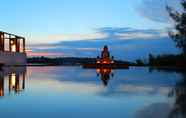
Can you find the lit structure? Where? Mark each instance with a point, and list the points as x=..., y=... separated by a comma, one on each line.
x=106, y=61
x=105, y=57
x=12, y=49
x=14, y=42
x=12, y=80
x=105, y=74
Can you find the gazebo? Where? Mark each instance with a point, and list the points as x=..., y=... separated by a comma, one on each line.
x=12, y=49
x=13, y=42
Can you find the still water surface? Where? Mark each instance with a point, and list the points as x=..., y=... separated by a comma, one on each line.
x=73, y=92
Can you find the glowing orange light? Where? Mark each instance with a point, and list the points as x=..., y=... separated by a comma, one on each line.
x=1, y=92
x=104, y=70
x=105, y=62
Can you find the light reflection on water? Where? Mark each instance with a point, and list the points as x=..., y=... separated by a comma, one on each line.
x=12, y=80
x=75, y=92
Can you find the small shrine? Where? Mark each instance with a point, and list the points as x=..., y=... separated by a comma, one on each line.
x=106, y=61
x=105, y=57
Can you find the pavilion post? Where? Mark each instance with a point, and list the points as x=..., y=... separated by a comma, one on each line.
x=10, y=43
x=17, y=43
x=2, y=40
x=24, y=45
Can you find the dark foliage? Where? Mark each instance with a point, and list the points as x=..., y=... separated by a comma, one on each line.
x=167, y=60
x=140, y=62
x=179, y=35
x=65, y=61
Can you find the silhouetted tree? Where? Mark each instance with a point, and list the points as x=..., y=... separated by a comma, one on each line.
x=151, y=59
x=179, y=35
x=139, y=62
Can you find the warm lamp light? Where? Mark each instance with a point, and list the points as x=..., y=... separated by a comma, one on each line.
x=13, y=48
x=1, y=92
x=104, y=70
x=98, y=70
x=11, y=42
x=98, y=62
x=104, y=62
x=13, y=80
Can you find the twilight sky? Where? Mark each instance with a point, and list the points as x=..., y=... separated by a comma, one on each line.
x=132, y=28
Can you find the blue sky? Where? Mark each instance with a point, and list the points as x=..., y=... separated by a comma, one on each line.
x=45, y=17
x=53, y=21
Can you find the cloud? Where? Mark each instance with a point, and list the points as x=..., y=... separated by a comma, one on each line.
x=124, y=43
x=102, y=33
x=74, y=87
x=129, y=33
x=87, y=49
x=155, y=10
x=71, y=37
x=67, y=37
x=145, y=89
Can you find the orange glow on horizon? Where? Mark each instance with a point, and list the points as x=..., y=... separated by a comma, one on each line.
x=30, y=53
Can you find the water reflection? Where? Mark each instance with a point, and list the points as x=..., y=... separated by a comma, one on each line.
x=59, y=91
x=12, y=79
x=179, y=92
x=105, y=74
x=1, y=86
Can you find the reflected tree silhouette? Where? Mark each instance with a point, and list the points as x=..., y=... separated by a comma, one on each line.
x=179, y=92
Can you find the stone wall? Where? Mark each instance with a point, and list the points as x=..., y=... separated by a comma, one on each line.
x=12, y=58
